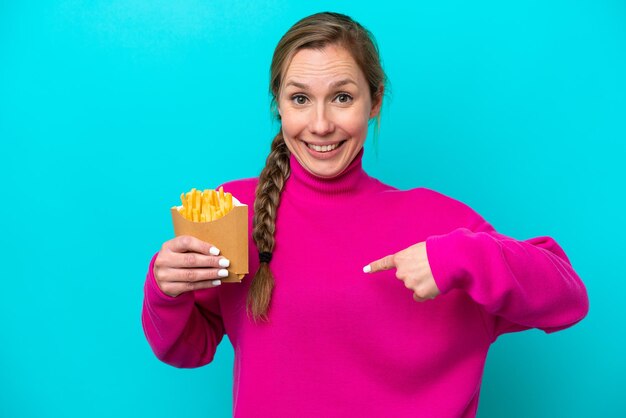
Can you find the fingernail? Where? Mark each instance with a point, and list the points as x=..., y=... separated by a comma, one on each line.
x=367, y=269
x=214, y=251
x=224, y=262
x=216, y=282
x=222, y=273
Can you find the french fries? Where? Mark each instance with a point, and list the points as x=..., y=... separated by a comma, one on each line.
x=205, y=206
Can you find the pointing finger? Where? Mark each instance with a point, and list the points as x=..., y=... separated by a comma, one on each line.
x=385, y=263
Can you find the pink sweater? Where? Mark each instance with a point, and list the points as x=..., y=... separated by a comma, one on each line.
x=342, y=343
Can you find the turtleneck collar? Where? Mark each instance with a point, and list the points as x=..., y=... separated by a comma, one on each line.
x=349, y=183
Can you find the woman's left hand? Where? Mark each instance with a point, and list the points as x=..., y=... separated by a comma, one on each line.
x=412, y=268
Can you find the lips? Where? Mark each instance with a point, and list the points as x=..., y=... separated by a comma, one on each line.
x=324, y=148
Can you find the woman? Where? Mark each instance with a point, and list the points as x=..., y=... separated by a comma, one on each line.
x=314, y=332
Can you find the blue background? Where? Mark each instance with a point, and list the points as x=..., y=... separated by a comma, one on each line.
x=109, y=109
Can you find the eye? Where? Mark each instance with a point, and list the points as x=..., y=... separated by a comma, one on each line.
x=299, y=99
x=343, y=98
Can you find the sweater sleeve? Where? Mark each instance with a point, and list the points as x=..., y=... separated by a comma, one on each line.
x=181, y=332
x=518, y=284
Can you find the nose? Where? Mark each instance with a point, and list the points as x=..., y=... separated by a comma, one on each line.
x=321, y=122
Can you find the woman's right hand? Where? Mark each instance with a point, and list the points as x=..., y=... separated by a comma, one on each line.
x=186, y=263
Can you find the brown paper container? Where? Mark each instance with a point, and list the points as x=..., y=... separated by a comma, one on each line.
x=229, y=234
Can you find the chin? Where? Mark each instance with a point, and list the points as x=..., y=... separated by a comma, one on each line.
x=324, y=164
x=324, y=173
x=326, y=169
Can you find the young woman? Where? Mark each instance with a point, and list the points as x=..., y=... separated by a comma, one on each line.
x=367, y=300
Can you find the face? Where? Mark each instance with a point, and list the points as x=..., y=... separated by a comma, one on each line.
x=325, y=105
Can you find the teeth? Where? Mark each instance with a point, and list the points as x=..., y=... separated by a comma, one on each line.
x=323, y=148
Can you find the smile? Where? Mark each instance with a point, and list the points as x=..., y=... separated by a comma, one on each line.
x=324, y=148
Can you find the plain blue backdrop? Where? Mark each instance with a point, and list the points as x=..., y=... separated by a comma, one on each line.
x=109, y=109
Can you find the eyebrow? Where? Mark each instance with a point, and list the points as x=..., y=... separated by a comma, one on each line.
x=336, y=84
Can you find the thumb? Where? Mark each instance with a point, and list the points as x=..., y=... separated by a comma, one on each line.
x=385, y=263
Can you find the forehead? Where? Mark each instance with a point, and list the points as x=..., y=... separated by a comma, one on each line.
x=325, y=64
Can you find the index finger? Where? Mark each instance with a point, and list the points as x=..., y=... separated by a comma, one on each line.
x=187, y=243
x=385, y=263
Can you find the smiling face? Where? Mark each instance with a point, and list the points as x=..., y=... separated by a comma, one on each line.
x=325, y=105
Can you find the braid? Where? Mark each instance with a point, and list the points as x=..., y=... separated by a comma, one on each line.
x=271, y=182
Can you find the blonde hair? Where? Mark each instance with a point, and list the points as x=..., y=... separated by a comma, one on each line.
x=316, y=32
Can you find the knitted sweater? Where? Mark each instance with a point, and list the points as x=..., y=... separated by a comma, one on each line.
x=342, y=343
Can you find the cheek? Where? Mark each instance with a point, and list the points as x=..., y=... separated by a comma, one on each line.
x=355, y=123
x=291, y=129
x=293, y=123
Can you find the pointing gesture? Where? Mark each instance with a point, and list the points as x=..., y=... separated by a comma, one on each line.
x=412, y=268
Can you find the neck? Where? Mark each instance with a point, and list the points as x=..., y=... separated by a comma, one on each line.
x=347, y=184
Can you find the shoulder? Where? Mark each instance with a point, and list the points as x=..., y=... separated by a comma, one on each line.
x=434, y=205
x=243, y=189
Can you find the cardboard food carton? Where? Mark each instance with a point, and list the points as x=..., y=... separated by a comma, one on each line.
x=228, y=233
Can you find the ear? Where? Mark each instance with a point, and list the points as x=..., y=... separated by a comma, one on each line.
x=280, y=114
x=377, y=101
x=276, y=110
